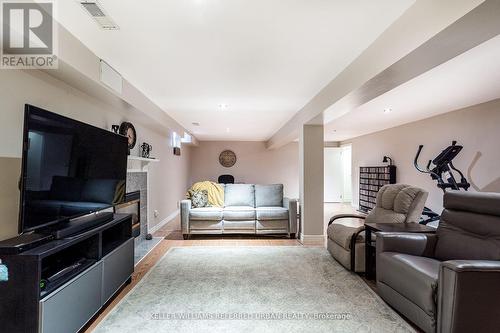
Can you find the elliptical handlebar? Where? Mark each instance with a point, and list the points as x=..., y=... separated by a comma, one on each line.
x=415, y=161
x=463, y=181
x=427, y=170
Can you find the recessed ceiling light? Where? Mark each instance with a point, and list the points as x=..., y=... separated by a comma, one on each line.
x=387, y=110
x=195, y=124
x=227, y=130
x=223, y=106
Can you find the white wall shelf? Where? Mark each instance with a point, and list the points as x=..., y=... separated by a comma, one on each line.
x=139, y=164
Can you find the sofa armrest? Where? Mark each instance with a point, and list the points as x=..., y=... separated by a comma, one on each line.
x=468, y=296
x=185, y=208
x=407, y=243
x=291, y=205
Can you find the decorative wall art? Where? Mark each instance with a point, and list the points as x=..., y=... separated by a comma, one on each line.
x=227, y=158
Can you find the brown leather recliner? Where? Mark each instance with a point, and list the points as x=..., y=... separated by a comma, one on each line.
x=450, y=281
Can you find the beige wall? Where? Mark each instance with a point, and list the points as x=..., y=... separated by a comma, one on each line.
x=9, y=195
x=169, y=177
x=476, y=128
x=255, y=164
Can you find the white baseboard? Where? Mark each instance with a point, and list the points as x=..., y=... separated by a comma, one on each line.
x=313, y=240
x=164, y=222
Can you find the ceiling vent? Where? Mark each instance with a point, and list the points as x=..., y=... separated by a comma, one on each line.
x=95, y=10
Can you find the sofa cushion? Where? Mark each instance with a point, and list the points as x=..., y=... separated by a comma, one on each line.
x=206, y=214
x=271, y=213
x=274, y=225
x=269, y=195
x=239, y=195
x=238, y=213
x=239, y=225
x=205, y=225
x=413, y=277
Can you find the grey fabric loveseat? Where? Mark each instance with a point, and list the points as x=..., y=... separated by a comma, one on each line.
x=248, y=209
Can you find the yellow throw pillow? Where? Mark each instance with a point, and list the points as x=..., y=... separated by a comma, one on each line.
x=215, y=192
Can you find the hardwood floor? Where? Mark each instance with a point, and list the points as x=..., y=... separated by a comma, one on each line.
x=173, y=238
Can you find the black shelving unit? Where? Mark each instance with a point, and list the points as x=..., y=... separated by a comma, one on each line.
x=371, y=179
x=59, y=285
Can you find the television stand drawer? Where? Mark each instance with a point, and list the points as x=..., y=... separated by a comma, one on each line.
x=68, y=309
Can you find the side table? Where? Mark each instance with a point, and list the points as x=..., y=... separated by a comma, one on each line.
x=370, y=264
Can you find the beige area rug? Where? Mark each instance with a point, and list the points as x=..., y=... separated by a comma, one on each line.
x=251, y=289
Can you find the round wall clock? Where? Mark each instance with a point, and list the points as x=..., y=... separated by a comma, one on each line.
x=128, y=130
x=227, y=158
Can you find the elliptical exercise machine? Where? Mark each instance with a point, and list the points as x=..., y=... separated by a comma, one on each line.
x=443, y=173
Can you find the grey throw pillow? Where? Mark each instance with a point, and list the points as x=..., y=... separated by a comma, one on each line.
x=199, y=199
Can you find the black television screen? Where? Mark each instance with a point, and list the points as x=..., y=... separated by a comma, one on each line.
x=69, y=169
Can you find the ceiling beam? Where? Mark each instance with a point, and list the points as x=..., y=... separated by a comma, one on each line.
x=428, y=34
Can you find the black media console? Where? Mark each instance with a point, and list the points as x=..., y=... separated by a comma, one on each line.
x=60, y=285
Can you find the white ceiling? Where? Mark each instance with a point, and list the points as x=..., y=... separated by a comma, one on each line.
x=265, y=59
x=469, y=79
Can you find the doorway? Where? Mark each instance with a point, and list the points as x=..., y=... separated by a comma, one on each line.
x=338, y=181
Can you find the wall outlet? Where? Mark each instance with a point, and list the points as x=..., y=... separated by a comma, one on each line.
x=156, y=213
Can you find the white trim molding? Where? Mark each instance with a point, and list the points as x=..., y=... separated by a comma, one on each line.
x=312, y=240
x=164, y=221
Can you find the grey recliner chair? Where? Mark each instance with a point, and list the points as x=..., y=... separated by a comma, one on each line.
x=396, y=203
x=450, y=281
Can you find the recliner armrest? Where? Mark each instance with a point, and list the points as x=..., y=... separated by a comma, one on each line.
x=185, y=208
x=407, y=243
x=291, y=205
x=472, y=265
x=468, y=296
x=341, y=216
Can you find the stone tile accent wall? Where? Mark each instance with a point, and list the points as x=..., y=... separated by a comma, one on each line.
x=138, y=181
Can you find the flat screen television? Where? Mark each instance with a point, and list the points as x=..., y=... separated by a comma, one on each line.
x=69, y=169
